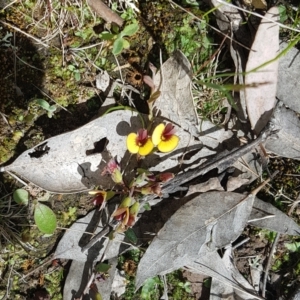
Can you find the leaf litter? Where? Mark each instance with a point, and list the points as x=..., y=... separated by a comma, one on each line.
x=70, y=163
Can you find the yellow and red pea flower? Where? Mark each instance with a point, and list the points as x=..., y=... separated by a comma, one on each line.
x=126, y=213
x=164, y=137
x=139, y=143
x=99, y=198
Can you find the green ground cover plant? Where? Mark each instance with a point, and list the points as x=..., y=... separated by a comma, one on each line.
x=76, y=51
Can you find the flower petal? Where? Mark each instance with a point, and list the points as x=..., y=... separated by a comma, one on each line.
x=94, y=192
x=146, y=148
x=169, y=145
x=142, y=136
x=157, y=133
x=131, y=143
x=119, y=211
x=169, y=131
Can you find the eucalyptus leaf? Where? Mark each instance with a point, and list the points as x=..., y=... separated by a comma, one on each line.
x=44, y=218
x=69, y=247
x=68, y=163
x=267, y=216
x=288, y=84
x=262, y=69
x=211, y=264
x=287, y=143
x=175, y=101
x=211, y=220
x=21, y=196
x=77, y=279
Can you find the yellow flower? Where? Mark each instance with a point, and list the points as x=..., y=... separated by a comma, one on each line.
x=139, y=143
x=164, y=138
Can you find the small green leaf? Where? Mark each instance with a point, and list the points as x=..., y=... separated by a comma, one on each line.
x=147, y=206
x=126, y=44
x=52, y=108
x=149, y=287
x=21, y=196
x=109, y=195
x=77, y=76
x=102, y=267
x=130, y=29
x=282, y=13
x=44, y=218
x=131, y=236
x=71, y=68
x=118, y=46
x=43, y=103
x=293, y=247
x=105, y=35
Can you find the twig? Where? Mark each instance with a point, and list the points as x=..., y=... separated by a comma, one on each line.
x=10, y=4
x=9, y=285
x=295, y=203
x=29, y=65
x=2, y=169
x=88, y=284
x=241, y=243
x=40, y=266
x=5, y=120
x=99, y=235
x=45, y=94
x=221, y=161
x=269, y=264
x=25, y=33
x=96, y=238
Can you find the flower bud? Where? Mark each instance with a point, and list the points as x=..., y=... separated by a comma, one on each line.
x=165, y=177
x=126, y=202
x=134, y=209
x=116, y=176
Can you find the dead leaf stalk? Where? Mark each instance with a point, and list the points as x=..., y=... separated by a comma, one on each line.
x=267, y=268
x=221, y=161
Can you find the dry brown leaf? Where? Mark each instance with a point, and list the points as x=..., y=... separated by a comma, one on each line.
x=260, y=100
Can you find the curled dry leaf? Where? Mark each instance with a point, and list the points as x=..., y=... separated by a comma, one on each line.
x=287, y=141
x=260, y=100
x=70, y=246
x=224, y=289
x=212, y=220
x=288, y=78
x=267, y=216
x=176, y=101
x=105, y=12
x=74, y=161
